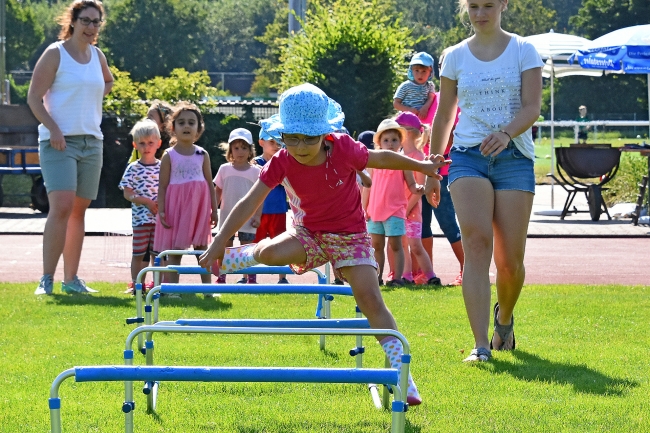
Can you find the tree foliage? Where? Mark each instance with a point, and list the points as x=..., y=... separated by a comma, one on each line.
x=23, y=34
x=151, y=38
x=597, y=17
x=353, y=50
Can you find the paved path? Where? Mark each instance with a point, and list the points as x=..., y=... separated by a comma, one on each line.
x=576, y=250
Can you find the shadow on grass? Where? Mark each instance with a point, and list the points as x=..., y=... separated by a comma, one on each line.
x=584, y=380
x=198, y=301
x=415, y=288
x=206, y=304
x=81, y=299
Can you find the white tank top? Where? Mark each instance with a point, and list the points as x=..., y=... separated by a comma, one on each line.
x=75, y=98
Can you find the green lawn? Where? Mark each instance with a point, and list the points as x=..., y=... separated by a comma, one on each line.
x=581, y=364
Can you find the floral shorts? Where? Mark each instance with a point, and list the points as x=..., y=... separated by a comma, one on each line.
x=341, y=250
x=413, y=229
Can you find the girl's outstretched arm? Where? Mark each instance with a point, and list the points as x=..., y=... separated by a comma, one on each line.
x=388, y=159
x=163, y=183
x=243, y=210
x=207, y=173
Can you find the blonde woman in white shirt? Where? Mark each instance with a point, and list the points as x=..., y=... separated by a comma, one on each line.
x=68, y=85
x=495, y=78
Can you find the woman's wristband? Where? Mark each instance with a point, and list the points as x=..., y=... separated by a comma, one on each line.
x=509, y=136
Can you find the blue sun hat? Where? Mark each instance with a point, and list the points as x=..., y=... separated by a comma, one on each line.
x=307, y=110
x=423, y=59
x=265, y=135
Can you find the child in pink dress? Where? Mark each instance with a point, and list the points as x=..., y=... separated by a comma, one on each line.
x=187, y=203
x=416, y=135
x=318, y=169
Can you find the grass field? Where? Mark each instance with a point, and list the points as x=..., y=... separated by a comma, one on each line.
x=581, y=364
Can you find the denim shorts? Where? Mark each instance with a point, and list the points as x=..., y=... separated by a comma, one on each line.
x=393, y=226
x=509, y=170
x=76, y=168
x=446, y=213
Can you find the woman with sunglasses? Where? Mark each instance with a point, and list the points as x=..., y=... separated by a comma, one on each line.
x=68, y=85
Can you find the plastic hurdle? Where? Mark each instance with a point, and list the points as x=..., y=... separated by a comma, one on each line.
x=322, y=308
x=151, y=387
x=225, y=374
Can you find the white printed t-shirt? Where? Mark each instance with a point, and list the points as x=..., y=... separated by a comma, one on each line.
x=489, y=93
x=143, y=180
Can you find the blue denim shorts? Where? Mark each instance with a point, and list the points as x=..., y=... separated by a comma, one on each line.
x=393, y=226
x=509, y=170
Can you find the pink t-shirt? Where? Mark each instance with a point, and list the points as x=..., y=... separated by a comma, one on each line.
x=387, y=197
x=323, y=198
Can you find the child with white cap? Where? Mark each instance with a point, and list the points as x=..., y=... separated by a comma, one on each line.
x=318, y=170
x=232, y=182
x=416, y=95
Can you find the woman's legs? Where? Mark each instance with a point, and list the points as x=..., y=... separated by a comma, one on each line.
x=55, y=232
x=474, y=202
x=511, y=216
x=74, y=238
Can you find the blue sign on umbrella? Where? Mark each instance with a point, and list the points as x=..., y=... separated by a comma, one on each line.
x=623, y=51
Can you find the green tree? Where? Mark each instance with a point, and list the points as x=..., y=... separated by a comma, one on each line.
x=230, y=33
x=597, y=17
x=150, y=38
x=23, y=33
x=355, y=51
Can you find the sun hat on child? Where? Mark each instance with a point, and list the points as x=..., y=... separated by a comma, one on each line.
x=265, y=135
x=423, y=59
x=306, y=110
x=241, y=134
x=384, y=126
x=409, y=120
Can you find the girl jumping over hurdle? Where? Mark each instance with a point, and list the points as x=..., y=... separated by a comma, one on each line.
x=318, y=170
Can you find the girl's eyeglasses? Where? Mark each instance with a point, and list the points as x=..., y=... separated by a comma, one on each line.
x=86, y=21
x=307, y=139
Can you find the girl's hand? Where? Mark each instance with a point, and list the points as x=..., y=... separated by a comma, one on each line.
x=432, y=191
x=161, y=215
x=214, y=218
x=208, y=259
x=416, y=188
x=57, y=140
x=494, y=144
x=432, y=164
x=422, y=114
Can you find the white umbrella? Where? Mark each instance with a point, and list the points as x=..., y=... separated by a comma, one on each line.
x=554, y=49
x=623, y=51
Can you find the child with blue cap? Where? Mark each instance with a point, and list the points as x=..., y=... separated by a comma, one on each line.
x=416, y=95
x=318, y=167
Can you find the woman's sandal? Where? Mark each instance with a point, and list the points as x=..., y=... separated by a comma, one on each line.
x=480, y=354
x=503, y=331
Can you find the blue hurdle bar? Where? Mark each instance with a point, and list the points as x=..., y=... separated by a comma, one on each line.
x=225, y=374
x=150, y=329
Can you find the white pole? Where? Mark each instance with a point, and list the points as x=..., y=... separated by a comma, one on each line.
x=552, y=133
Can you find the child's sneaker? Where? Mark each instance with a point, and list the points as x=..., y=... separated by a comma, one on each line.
x=148, y=286
x=77, y=285
x=284, y=280
x=45, y=286
x=434, y=281
x=252, y=279
x=243, y=280
x=458, y=281
x=420, y=278
x=130, y=288
x=221, y=279
x=393, y=349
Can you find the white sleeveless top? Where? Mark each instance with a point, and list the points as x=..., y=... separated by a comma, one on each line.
x=75, y=98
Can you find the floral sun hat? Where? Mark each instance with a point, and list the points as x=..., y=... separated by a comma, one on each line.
x=306, y=110
x=385, y=125
x=423, y=59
